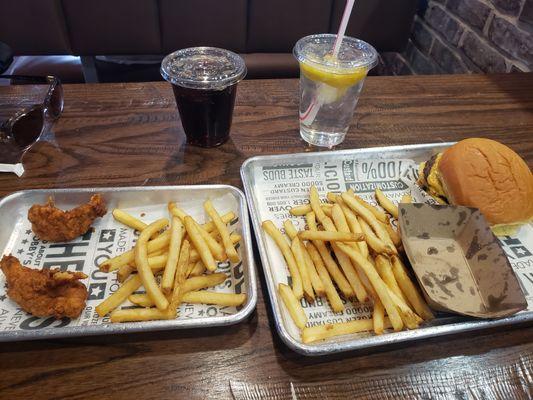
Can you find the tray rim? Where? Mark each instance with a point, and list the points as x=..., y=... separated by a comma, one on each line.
x=150, y=326
x=325, y=347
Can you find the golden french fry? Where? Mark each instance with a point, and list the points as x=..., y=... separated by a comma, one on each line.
x=369, y=219
x=293, y=305
x=410, y=319
x=384, y=268
x=208, y=226
x=406, y=198
x=378, y=317
x=194, y=256
x=214, y=247
x=199, y=243
x=128, y=257
x=143, y=268
x=157, y=263
x=316, y=205
x=386, y=203
x=176, y=211
x=290, y=230
x=141, y=314
x=330, y=263
x=300, y=210
x=275, y=234
x=354, y=225
x=226, y=218
x=409, y=289
x=380, y=215
x=221, y=299
x=332, y=295
x=176, y=235
x=330, y=236
x=342, y=226
x=117, y=298
x=297, y=252
x=327, y=210
x=128, y=220
x=202, y=282
x=142, y=300
x=378, y=284
x=321, y=332
x=332, y=197
x=395, y=236
x=223, y=230
x=316, y=282
x=197, y=269
x=123, y=272
x=372, y=240
x=191, y=284
x=183, y=263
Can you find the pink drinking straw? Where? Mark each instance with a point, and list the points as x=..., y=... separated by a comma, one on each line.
x=309, y=115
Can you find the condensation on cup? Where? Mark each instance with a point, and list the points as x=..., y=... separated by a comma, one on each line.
x=330, y=86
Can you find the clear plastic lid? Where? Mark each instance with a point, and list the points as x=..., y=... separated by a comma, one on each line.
x=203, y=68
x=317, y=50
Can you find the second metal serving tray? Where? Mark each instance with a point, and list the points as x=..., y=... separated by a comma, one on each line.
x=273, y=184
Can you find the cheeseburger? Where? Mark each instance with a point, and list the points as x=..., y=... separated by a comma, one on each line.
x=484, y=174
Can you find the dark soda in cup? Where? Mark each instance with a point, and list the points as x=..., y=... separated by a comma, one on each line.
x=204, y=81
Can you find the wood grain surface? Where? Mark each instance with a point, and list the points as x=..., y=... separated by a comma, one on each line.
x=130, y=134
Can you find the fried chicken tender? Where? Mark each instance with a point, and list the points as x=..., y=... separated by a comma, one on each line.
x=55, y=225
x=44, y=292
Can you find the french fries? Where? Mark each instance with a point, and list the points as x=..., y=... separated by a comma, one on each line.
x=293, y=305
x=321, y=332
x=199, y=243
x=176, y=235
x=298, y=254
x=274, y=233
x=223, y=231
x=221, y=299
x=128, y=220
x=378, y=317
x=361, y=239
x=386, y=203
x=332, y=295
x=406, y=198
x=186, y=247
x=328, y=236
x=370, y=219
x=144, y=270
x=331, y=265
x=117, y=298
x=409, y=289
x=191, y=284
x=128, y=257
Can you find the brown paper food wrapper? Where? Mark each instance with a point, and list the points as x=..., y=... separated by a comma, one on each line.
x=458, y=261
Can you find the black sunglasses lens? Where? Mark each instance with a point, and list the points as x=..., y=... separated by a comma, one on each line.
x=56, y=102
x=28, y=127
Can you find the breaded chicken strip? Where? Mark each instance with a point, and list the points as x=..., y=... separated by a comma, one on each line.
x=44, y=292
x=55, y=225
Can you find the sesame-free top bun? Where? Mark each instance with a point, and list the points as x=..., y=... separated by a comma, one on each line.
x=488, y=175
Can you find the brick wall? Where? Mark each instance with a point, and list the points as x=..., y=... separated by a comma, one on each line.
x=467, y=36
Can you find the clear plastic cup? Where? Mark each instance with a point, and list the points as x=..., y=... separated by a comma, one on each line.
x=330, y=87
x=204, y=80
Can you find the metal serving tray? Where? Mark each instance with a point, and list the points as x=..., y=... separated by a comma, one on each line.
x=336, y=173
x=109, y=238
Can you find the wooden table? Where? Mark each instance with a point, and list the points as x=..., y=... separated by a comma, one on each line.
x=129, y=134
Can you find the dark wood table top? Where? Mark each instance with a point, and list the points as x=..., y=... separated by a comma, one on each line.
x=130, y=134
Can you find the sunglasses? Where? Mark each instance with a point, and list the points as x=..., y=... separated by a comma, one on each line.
x=27, y=125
